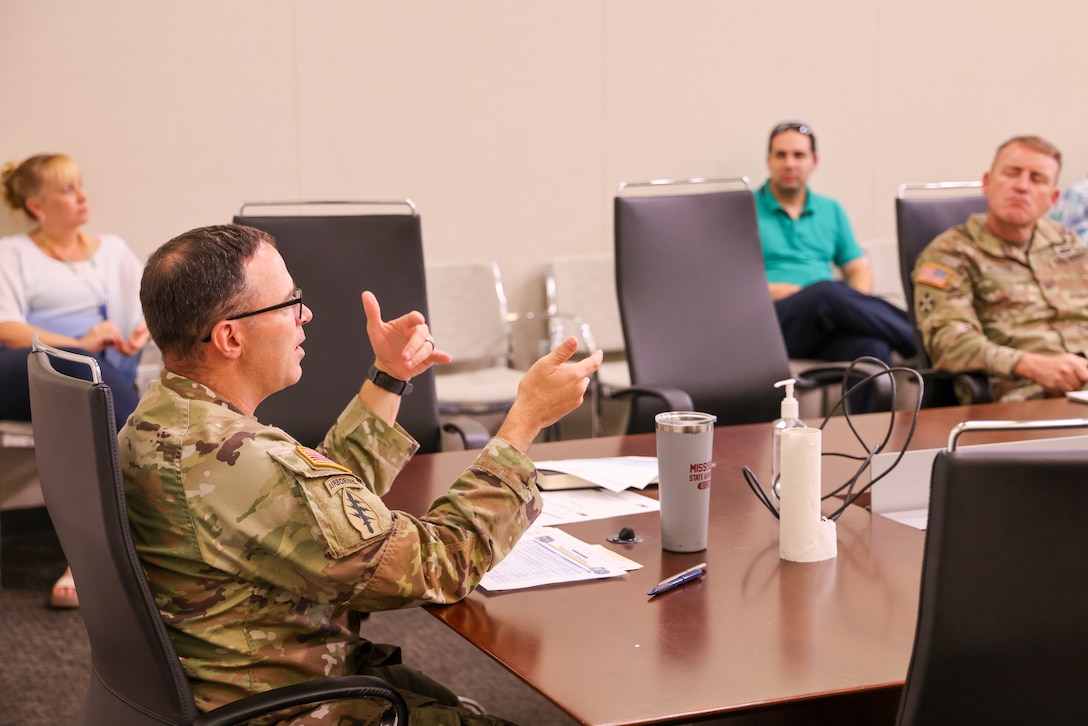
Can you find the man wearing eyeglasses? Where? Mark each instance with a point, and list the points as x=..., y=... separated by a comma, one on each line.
x=262, y=553
x=804, y=236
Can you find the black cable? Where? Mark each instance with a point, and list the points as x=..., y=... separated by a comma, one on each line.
x=759, y=491
x=866, y=461
x=851, y=495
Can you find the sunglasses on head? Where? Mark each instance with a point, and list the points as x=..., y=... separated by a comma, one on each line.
x=791, y=126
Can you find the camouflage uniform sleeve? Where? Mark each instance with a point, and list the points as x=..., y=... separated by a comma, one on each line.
x=441, y=556
x=363, y=442
x=944, y=308
x=373, y=558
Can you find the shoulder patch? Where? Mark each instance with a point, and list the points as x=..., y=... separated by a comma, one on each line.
x=336, y=483
x=933, y=275
x=360, y=514
x=319, y=461
x=348, y=513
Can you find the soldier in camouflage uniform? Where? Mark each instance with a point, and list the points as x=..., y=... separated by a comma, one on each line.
x=1007, y=292
x=262, y=553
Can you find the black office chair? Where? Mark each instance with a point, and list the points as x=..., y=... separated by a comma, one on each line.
x=333, y=258
x=136, y=677
x=1003, y=615
x=919, y=220
x=698, y=318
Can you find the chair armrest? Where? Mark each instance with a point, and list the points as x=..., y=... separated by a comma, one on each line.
x=944, y=388
x=317, y=691
x=473, y=434
x=828, y=374
x=674, y=398
x=974, y=386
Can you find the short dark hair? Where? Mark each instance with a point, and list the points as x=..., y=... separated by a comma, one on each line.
x=194, y=281
x=792, y=126
x=1038, y=143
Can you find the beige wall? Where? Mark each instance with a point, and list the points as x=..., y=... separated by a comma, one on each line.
x=510, y=123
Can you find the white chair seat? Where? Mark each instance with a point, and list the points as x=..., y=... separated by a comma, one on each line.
x=470, y=321
x=480, y=391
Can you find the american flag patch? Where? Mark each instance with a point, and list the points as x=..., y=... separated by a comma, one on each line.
x=931, y=274
x=318, y=461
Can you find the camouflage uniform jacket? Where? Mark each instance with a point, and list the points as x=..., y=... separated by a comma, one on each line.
x=259, y=551
x=981, y=302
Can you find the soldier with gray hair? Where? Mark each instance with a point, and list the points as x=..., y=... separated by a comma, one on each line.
x=1005, y=293
x=263, y=553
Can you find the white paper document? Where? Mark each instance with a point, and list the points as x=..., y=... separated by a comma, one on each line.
x=545, y=556
x=615, y=473
x=580, y=505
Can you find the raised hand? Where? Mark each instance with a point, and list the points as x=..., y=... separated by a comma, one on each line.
x=550, y=390
x=403, y=347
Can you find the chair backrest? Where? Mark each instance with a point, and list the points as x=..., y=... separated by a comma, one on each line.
x=136, y=676
x=1003, y=613
x=334, y=258
x=469, y=313
x=697, y=314
x=585, y=286
x=919, y=219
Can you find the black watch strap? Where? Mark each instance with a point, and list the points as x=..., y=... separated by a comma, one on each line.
x=393, y=385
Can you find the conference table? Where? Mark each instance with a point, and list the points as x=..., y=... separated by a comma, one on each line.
x=758, y=640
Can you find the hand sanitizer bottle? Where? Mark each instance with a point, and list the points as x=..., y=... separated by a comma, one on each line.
x=789, y=420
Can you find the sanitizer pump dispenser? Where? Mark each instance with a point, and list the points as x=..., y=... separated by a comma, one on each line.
x=789, y=420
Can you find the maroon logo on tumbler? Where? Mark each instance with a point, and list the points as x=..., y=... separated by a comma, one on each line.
x=700, y=473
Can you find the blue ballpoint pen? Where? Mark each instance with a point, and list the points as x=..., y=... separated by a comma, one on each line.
x=671, y=583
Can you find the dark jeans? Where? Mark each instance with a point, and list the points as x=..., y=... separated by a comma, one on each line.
x=834, y=322
x=15, y=389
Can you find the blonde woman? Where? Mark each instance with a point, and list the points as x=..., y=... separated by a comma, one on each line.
x=76, y=290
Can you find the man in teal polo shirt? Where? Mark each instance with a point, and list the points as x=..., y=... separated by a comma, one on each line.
x=804, y=235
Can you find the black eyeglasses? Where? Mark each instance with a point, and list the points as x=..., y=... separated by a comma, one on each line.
x=296, y=300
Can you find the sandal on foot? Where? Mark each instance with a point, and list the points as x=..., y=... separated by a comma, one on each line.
x=64, y=593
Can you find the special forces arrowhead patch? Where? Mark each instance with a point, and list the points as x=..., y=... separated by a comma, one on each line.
x=359, y=513
x=358, y=508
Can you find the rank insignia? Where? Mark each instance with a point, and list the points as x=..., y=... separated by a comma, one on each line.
x=319, y=461
x=1067, y=250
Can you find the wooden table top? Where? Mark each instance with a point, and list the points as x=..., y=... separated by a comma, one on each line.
x=757, y=633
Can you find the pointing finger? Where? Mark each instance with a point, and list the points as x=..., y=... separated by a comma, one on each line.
x=565, y=350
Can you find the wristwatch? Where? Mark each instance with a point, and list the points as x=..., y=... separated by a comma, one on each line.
x=384, y=380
